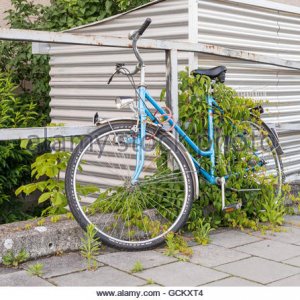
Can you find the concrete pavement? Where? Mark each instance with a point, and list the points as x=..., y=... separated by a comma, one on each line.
x=233, y=258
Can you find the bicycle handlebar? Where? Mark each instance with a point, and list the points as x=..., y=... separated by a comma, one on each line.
x=134, y=36
x=144, y=26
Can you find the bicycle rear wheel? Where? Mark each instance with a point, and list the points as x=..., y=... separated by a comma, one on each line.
x=256, y=150
x=126, y=216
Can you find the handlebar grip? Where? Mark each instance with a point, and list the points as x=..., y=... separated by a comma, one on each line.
x=144, y=26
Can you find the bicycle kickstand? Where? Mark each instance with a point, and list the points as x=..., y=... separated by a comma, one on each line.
x=231, y=207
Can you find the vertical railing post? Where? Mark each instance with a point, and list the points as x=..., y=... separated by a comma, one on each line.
x=193, y=31
x=172, y=82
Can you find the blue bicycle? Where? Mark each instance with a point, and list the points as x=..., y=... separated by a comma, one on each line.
x=140, y=181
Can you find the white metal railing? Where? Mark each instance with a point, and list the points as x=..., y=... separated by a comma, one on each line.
x=170, y=47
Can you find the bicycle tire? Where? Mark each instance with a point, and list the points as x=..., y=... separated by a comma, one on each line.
x=186, y=169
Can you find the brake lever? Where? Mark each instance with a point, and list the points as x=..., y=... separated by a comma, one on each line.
x=112, y=76
x=118, y=67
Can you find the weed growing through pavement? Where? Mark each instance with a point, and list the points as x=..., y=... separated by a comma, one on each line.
x=138, y=267
x=90, y=247
x=201, y=234
x=177, y=247
x=36, y=270
x=10, y=259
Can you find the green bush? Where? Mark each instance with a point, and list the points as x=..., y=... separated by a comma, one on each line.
x=14, y=161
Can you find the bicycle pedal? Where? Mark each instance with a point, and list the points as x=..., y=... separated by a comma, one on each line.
x=232, y=207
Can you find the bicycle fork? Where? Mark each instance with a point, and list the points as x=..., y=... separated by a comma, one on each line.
x=141, y=135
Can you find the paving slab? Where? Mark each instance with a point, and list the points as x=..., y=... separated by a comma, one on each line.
x=290, y=281
x=4, y=270
x=289, y=234
x=292, y=219
x=295, y=261
x=233, y=238
x=271, y=249
x=181, y=274
x=125, y=260
x=259, y=270
x=22, y=278
x=104, y=276
x=213, y=255
x=60, y=265
x=233, y=281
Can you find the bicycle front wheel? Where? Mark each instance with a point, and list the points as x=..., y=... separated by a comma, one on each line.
x=125, y=215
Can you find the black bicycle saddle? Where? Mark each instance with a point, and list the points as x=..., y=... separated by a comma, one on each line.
x=213, y=73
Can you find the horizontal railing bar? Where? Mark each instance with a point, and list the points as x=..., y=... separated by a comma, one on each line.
x=79, y=39
x=9, y=134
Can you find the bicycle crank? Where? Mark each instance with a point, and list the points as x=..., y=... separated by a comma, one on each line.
x=231, y=207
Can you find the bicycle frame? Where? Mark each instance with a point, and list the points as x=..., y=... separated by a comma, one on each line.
x=144, y=112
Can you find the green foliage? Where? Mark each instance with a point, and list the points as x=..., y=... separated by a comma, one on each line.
x=150, y=281
x=49, y=167
x=55, y=219
x=65, y=14
x=229, y=124
x=10, y=259
x=36, y=269
x=14, y=160
x=138, y=267
x=295, y=198
x=128, y=4
x=201, y=234
x=273, y=212
x=30, y=72
x=41, y=222
x=176, y=246
x=28, y=226
x=90, y=247
x=239, y=219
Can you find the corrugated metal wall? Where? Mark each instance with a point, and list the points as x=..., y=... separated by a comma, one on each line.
x=263, y=31
x=79, y=74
